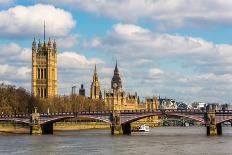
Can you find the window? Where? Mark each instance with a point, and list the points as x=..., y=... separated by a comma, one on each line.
x=45, y=73
x=38, y=73
x=45, y=92
x=42, y=74
x=42, y=92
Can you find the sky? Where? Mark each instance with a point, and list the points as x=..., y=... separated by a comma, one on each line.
x=178, y=49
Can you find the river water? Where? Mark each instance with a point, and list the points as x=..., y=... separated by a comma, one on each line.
x=160, y=141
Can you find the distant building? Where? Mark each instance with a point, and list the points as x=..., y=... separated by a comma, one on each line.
x=44, y=69
x=226, y=107
x=167, y=104
x=181, y=106
x=215, y=106
x=82, y=90
x=74, y=90
x=95, y=91
x=151, y=103
x=198, y=105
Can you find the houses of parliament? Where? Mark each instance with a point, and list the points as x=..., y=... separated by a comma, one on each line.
x=44, y=81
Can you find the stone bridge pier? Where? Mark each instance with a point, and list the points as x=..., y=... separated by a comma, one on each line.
x=116, y=127
x=212, y=127
x=36, y=128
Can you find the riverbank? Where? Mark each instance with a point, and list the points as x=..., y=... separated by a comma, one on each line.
x=17, y=128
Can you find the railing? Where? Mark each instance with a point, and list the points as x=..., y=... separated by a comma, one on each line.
x=120, y=111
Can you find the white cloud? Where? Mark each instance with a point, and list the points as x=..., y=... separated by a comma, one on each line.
x=95, y=42
x=28, y=21
x=12, y=53
x=172, y=13
x=129, y=29
x=155, y=72
x=9, y=49
x=152, y=47
x=68, y=41
x=73, y=60
x=14, y=73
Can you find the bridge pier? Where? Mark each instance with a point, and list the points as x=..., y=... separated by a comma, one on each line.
x=213, y=129
x=35, y=129
x=116, y=127
x=116, y=130
x=38, y=129
x=121, y=129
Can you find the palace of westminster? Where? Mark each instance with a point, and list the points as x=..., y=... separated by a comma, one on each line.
x=44, y=81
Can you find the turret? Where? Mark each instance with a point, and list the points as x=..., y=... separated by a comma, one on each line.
x=54, y=45
x=39, y=46
x=49, y=43
x=34, y=45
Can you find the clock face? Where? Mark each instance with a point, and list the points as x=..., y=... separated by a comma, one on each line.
x=115, y=85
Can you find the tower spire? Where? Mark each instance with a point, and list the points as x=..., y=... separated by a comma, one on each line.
x=116, y=68
x=95, y=69
x=44, y=30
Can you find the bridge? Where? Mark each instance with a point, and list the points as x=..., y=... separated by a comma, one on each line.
x=121, y=120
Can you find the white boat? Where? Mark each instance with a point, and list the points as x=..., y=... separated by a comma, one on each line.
x=144, y=128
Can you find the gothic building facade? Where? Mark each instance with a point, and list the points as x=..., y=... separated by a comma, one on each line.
x=44, y=69
x=117, y=99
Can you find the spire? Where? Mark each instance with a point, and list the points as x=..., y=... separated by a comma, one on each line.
x=39, y=44
x=44, y=31
x=54, y=44
x=34, y=44
x=95, y=76
x=49, y=42
x=95, y=69
x=116, y=71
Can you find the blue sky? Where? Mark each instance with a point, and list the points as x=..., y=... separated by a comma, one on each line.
x=177, y=49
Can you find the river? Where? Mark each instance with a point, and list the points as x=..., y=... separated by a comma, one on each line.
x=159, y=141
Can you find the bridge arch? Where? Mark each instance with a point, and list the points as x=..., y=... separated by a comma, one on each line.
x=61, y=118
x=224, y=120
x=136, y=118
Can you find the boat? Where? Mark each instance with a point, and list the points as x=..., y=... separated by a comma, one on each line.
x=144, y=128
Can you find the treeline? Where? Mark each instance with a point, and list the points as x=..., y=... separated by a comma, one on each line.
x=18, y=100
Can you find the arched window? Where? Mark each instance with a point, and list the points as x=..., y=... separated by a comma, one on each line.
x=42, y=93
x=45, y=73
x=38, y=73
x=42, y=75
x=45, y=92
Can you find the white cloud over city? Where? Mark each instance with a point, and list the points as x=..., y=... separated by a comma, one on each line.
x=167, y=13
x=27, y=21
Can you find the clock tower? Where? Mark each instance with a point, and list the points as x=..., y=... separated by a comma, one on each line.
x=116, y=82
